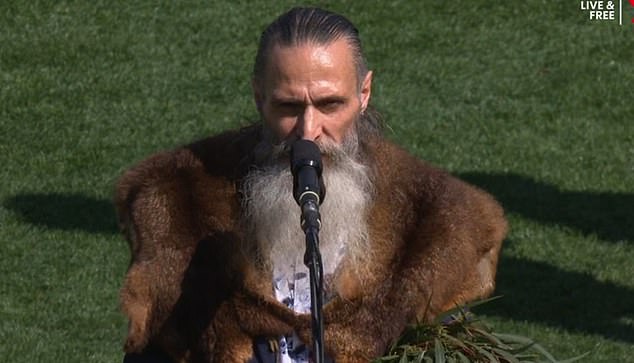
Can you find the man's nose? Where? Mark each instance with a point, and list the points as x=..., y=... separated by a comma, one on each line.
x=309, y=124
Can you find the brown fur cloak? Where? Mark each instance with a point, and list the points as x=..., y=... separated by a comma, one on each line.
x=191, y=290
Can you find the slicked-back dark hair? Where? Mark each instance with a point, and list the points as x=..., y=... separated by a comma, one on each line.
x=301, y=26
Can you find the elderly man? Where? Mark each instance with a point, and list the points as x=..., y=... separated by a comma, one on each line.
x=217, y=269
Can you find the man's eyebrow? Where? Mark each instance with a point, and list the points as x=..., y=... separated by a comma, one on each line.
x=320, y=100
x=286, y=101
x=283, y=97
x=329, y=99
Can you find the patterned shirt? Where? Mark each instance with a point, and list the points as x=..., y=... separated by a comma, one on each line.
x=292, y=288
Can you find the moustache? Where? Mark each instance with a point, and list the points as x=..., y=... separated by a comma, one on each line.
x=329, y=148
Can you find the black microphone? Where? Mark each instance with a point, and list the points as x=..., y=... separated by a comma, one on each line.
x=308, y=185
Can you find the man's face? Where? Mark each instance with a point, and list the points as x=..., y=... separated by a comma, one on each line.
x=311, y=92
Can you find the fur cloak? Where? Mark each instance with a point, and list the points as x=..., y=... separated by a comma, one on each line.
x=192, y=291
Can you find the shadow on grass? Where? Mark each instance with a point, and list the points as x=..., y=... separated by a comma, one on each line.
x=608, y=215
x=539, y=292
x=65, y=212
x=533, y=291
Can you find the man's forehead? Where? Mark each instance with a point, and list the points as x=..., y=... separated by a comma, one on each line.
x=339, y=45
x=319, y=61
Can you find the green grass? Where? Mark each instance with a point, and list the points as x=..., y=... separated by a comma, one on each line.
x=531, y=101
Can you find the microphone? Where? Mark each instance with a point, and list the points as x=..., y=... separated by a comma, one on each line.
x=308, y=186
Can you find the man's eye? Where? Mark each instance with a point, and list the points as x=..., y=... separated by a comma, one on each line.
x=288, y=105
x=288, y=108
x=330, y=106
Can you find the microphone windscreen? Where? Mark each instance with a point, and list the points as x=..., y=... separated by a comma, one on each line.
x=305, y=153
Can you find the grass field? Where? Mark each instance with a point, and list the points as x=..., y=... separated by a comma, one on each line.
x=530, y=100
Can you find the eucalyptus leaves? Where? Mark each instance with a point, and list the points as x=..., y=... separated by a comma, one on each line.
x=458, y=336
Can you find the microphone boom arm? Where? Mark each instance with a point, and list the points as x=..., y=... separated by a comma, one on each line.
x=309, y=191
x=312, y=260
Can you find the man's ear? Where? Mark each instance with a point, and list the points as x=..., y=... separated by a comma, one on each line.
x=366, y=90
x=257, y=94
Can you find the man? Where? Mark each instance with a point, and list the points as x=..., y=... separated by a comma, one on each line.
x=217, y=268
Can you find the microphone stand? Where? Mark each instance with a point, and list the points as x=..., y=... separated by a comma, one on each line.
x=311, y=223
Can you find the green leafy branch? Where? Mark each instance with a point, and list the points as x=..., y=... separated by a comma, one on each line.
x=458, y=336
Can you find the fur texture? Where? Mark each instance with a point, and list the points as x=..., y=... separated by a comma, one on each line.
x=193, y=289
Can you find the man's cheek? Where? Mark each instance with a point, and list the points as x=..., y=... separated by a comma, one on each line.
x=285, y=130
x=343, y=127
x=278, y=128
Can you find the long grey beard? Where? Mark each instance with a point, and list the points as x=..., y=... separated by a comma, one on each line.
x=273, y=217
